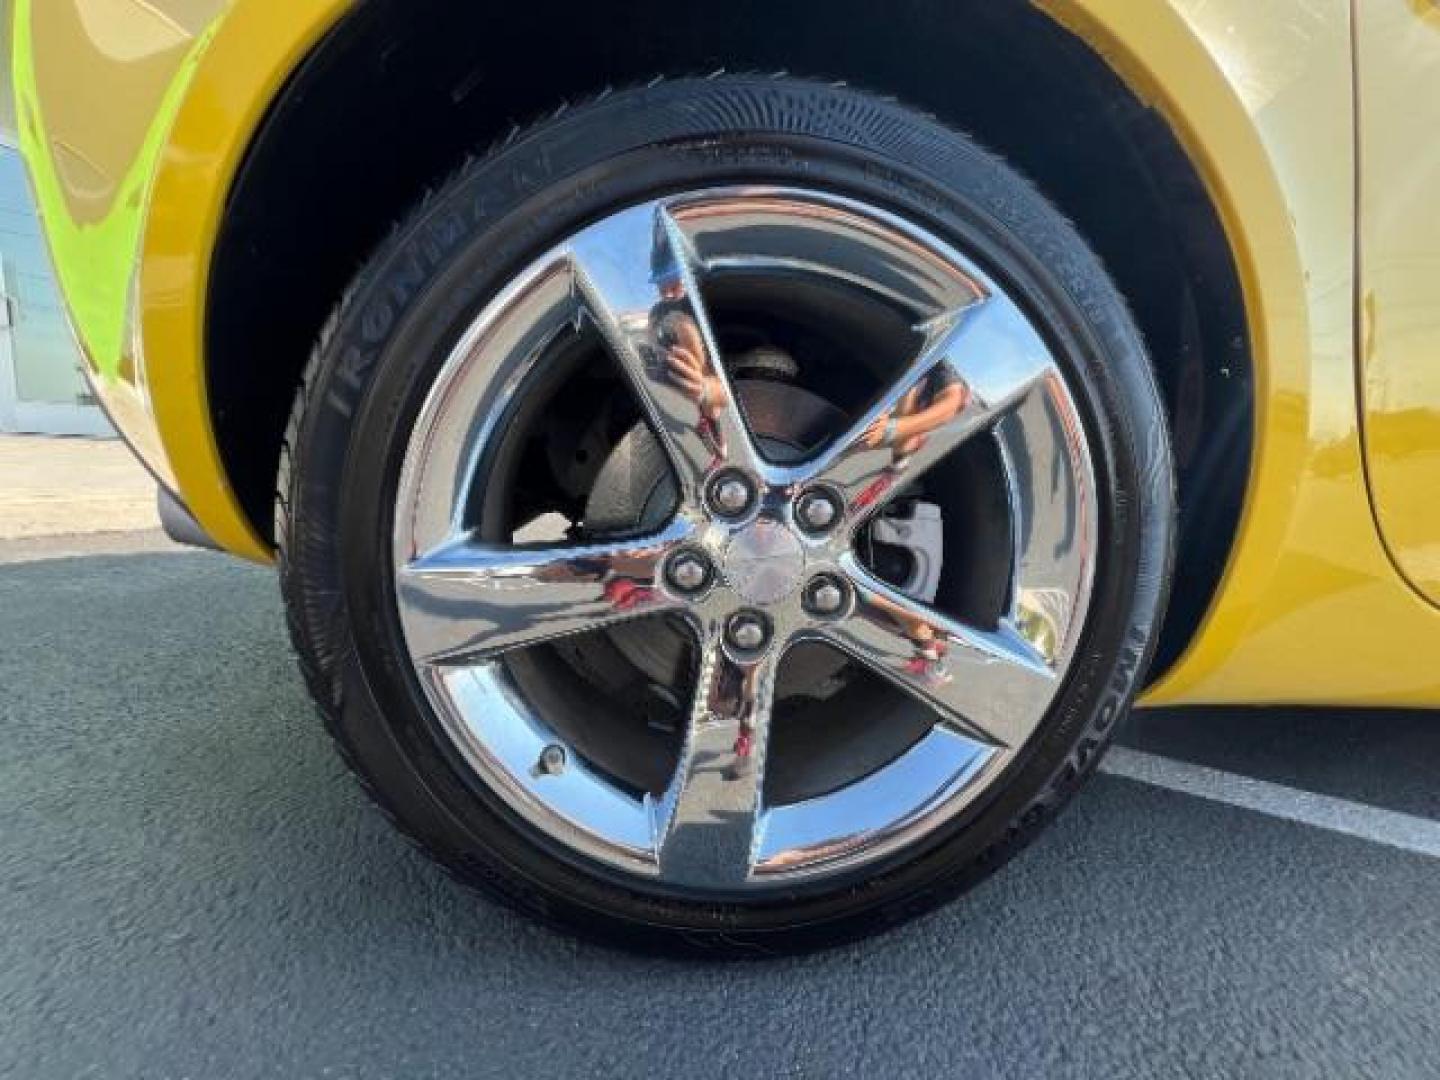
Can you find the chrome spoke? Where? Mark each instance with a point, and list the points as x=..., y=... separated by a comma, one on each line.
x=636, y=274
x=976, y=365
x=467, y=600
x=988, y=684
x=705, y=824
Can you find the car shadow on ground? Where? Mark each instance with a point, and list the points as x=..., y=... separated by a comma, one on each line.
x=191, y=884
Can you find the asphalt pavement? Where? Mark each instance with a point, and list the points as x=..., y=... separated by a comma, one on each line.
x=192, y=886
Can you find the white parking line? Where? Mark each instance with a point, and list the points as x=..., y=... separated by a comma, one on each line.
x=1404, y=831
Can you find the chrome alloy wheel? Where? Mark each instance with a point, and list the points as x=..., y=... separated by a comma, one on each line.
x=760, y=556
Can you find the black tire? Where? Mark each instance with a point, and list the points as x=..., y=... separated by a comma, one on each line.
x=383, y=348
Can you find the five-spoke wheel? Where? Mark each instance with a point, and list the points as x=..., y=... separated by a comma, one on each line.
x=757, y=555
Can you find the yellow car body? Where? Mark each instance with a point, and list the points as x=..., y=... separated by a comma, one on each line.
x=1310, y=123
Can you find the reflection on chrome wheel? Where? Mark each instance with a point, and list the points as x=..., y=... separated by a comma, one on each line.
x=742, y=548
x=757, y=555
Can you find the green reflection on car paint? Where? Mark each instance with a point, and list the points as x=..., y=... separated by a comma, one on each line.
x=96, y=263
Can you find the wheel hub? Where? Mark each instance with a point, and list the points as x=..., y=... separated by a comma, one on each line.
x=634, y=491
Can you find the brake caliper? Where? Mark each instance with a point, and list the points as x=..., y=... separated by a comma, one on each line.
x=920, y=532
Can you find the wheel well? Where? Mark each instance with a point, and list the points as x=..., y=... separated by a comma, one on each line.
x=402, y=90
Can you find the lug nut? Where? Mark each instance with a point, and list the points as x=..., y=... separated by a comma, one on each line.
x=817, y=510
x=688, y=572
x=747, y=631
x=824, y=596
x=731, y=494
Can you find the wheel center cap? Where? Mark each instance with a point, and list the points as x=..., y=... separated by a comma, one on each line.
x=764, y=562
